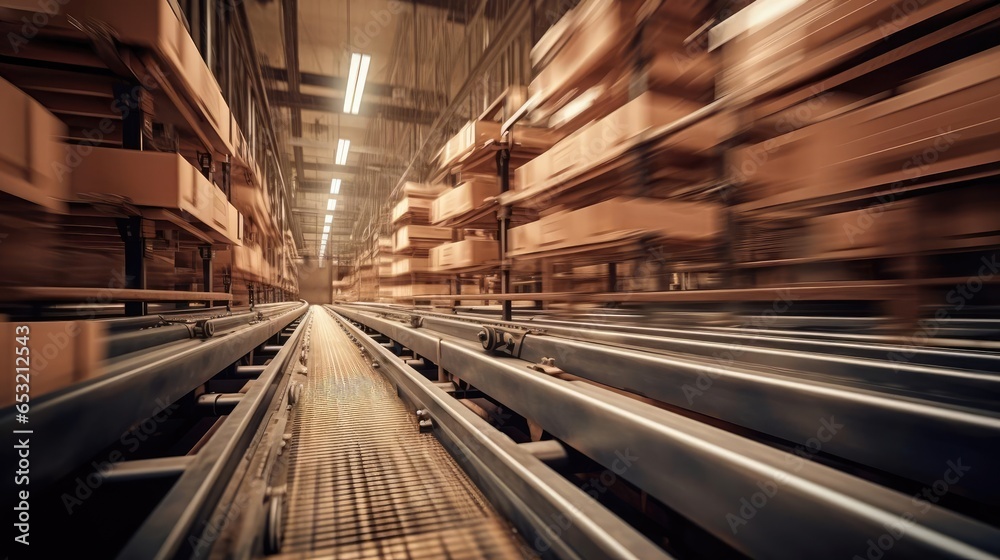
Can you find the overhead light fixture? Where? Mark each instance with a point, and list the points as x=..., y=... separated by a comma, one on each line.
x=329, y=219
x=356, y=82
x=331, y=205
x=343, y=147
x=335, y=186
x=326, y=229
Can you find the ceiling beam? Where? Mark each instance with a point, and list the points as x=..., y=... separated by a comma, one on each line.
x=290, y=30
x=320, y=186
x=329, y=104
x=371, y=88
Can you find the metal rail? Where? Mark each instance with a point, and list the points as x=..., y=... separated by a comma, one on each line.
x=556, y=517
x=129, y=390
x=712, y=472
x=180, y=517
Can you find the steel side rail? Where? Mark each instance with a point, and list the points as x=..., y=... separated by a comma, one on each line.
x=883, y=426
x=105, y=408
x=707, y=474
x=555, y=515
x=165, y=533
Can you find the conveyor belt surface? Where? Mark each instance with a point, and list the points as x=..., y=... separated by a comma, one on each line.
x=363, y=482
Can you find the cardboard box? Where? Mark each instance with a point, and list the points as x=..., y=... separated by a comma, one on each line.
x=417, y=207
x=578, y=51
x=60, y=353
x=809, y=40
x=474, y=134
x=425, y=190
x=410, y=265
x=945, y=121
x=411, y=236
x=33, y=158
x=606, y=221
x=580, y=151
x=885, y=230
x=464, y=254
x=415, y=290
x=159, y=180
x=464, y=198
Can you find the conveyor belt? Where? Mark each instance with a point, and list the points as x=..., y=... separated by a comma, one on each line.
x=364, y=483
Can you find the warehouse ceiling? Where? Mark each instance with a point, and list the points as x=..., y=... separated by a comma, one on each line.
x=425, y=55
x=306, y=48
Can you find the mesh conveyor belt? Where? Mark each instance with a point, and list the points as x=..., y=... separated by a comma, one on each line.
x=364, y=483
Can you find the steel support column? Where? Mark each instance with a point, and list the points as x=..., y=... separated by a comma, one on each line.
x=206, y=268
x=503, y=216
x=134, y=231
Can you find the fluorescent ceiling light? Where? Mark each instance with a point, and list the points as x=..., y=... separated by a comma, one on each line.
x=335, y=186
x=343, y=147
x=326, y=229
x=356, y=82
x=331, y=205
x=329, y=219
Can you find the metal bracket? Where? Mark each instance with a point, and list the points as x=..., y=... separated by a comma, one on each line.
x=503, y=340
x=424, y=421
x=203, y=328
x=547, y=366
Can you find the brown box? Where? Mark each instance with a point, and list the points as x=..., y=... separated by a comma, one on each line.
x=606, y=221
x=464, y=254
x=472, y=135
x=411, y=205
x=464, y=198
x=33, y=159
x=415, y=290
x=409, y=265
x=60, y=353
x=578, y=50
x=945, y=121
x=808, y=40
x=413, y=235
x=159, y=180
x=882, y=230
x=425, y=190
x=581, y=150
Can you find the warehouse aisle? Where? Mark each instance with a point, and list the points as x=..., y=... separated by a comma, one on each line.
x=364, y=483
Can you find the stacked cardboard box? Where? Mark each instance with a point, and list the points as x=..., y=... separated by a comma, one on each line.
x=942, y=122
x=462, y=200
x=608, y=221
x=465, y=254
x=407, y=274
x=801, y=43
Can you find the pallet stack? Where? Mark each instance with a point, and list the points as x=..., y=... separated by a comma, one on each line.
x=868, y=161
x=159, y=171
x=409, y=274
x=606, y=194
